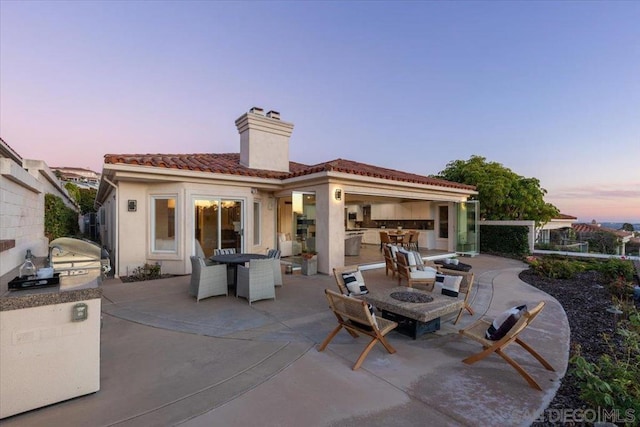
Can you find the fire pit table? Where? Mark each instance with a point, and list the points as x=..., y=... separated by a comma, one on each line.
x=417, y=312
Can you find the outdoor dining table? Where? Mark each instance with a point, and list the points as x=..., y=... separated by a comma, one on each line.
x=235, y=260
x=397, y=238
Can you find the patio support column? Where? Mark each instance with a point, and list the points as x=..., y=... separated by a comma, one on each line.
x=329, y=228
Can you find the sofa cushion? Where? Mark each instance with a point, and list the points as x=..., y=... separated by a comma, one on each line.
x=428, y=273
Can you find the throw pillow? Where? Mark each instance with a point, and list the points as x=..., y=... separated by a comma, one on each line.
x=354, y=283
x=504, y=322
x=373, y=317
x=451, y=285
x=394, y=251
x=372, y=310
x=419, y=260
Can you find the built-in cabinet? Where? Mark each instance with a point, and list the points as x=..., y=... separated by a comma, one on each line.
x=408, y=210
x=354, y=212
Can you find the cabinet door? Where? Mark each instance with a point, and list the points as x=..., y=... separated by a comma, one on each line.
x=402, y=211
x=376, y=212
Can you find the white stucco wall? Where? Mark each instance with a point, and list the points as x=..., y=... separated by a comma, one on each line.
x=22, y=194
x=135, y=227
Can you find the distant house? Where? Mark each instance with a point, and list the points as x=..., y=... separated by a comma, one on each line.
x=158, y=208
x=585, y=232
x=559, y=222
x=83, y=178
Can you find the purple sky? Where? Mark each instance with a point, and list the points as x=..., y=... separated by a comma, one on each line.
x=549, y=89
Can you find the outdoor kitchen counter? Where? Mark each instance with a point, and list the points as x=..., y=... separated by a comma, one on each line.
x=71, y=289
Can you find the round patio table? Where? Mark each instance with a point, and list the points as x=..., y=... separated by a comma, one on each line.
x=235, y=260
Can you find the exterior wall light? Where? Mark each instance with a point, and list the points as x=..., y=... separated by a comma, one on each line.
x=338, y=194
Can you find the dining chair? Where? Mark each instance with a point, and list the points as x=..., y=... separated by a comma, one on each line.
x=207, y=280
x=256, y=282
x=277, y=268
x=224, y=251
x=385, y=239
x=412, y=241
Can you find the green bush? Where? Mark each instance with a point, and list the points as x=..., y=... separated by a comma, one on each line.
x=145, y=272
x=612, y=382
x=614, y=269
x=59, y=220
x=505, y=240
x=554, y=268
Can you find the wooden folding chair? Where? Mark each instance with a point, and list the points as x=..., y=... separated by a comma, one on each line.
x=477, y=331
x=337, y=273
x=354, y=316
x=465, y=287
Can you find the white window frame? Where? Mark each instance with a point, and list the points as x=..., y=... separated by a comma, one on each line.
x=257, y=222
x=152, y=223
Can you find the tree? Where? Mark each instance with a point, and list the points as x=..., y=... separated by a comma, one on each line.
x=503, y=194
x=627, y=227
x=84, y=197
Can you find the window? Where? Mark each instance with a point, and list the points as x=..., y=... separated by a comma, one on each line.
x=163, y=227
x=257, y=219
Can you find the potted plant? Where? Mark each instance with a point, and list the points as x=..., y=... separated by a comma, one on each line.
x=309, y=263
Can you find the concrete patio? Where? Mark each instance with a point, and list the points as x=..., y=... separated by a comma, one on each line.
x=167, y=360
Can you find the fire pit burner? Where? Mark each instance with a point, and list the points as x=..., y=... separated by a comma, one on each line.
x=406, y=296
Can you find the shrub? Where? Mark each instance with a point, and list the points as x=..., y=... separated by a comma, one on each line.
x=504, y=240
x=59, y=220
x=145, y=272
x=612, y=383
x=557, y=268
x=614, y=268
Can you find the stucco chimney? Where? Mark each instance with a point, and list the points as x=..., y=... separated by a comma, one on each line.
x=264, y=141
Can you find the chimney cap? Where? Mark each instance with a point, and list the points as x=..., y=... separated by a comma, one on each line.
x=273, y=115
x=257, y=110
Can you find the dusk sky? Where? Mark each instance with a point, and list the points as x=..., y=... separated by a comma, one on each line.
x=550, y=90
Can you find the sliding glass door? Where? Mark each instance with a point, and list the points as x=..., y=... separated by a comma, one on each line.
x=467, y=241
x=218, y=223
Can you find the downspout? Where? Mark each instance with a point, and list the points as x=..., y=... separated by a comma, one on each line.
x=117, y=230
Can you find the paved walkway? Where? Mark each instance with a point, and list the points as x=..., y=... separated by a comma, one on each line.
x=167, y=360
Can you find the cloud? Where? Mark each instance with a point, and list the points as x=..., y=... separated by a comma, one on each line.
x=602, y=192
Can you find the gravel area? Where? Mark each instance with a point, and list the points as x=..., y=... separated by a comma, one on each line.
x=585, y=299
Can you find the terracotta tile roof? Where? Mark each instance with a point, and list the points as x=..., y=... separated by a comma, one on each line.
x=565, y=216
x=594, y=228
x=229, y=163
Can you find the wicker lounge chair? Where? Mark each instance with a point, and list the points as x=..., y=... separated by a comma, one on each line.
x=354, y=316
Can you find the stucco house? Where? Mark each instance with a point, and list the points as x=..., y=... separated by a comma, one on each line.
x=157, y=208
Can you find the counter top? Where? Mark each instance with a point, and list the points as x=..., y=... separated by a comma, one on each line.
x=71, y=288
